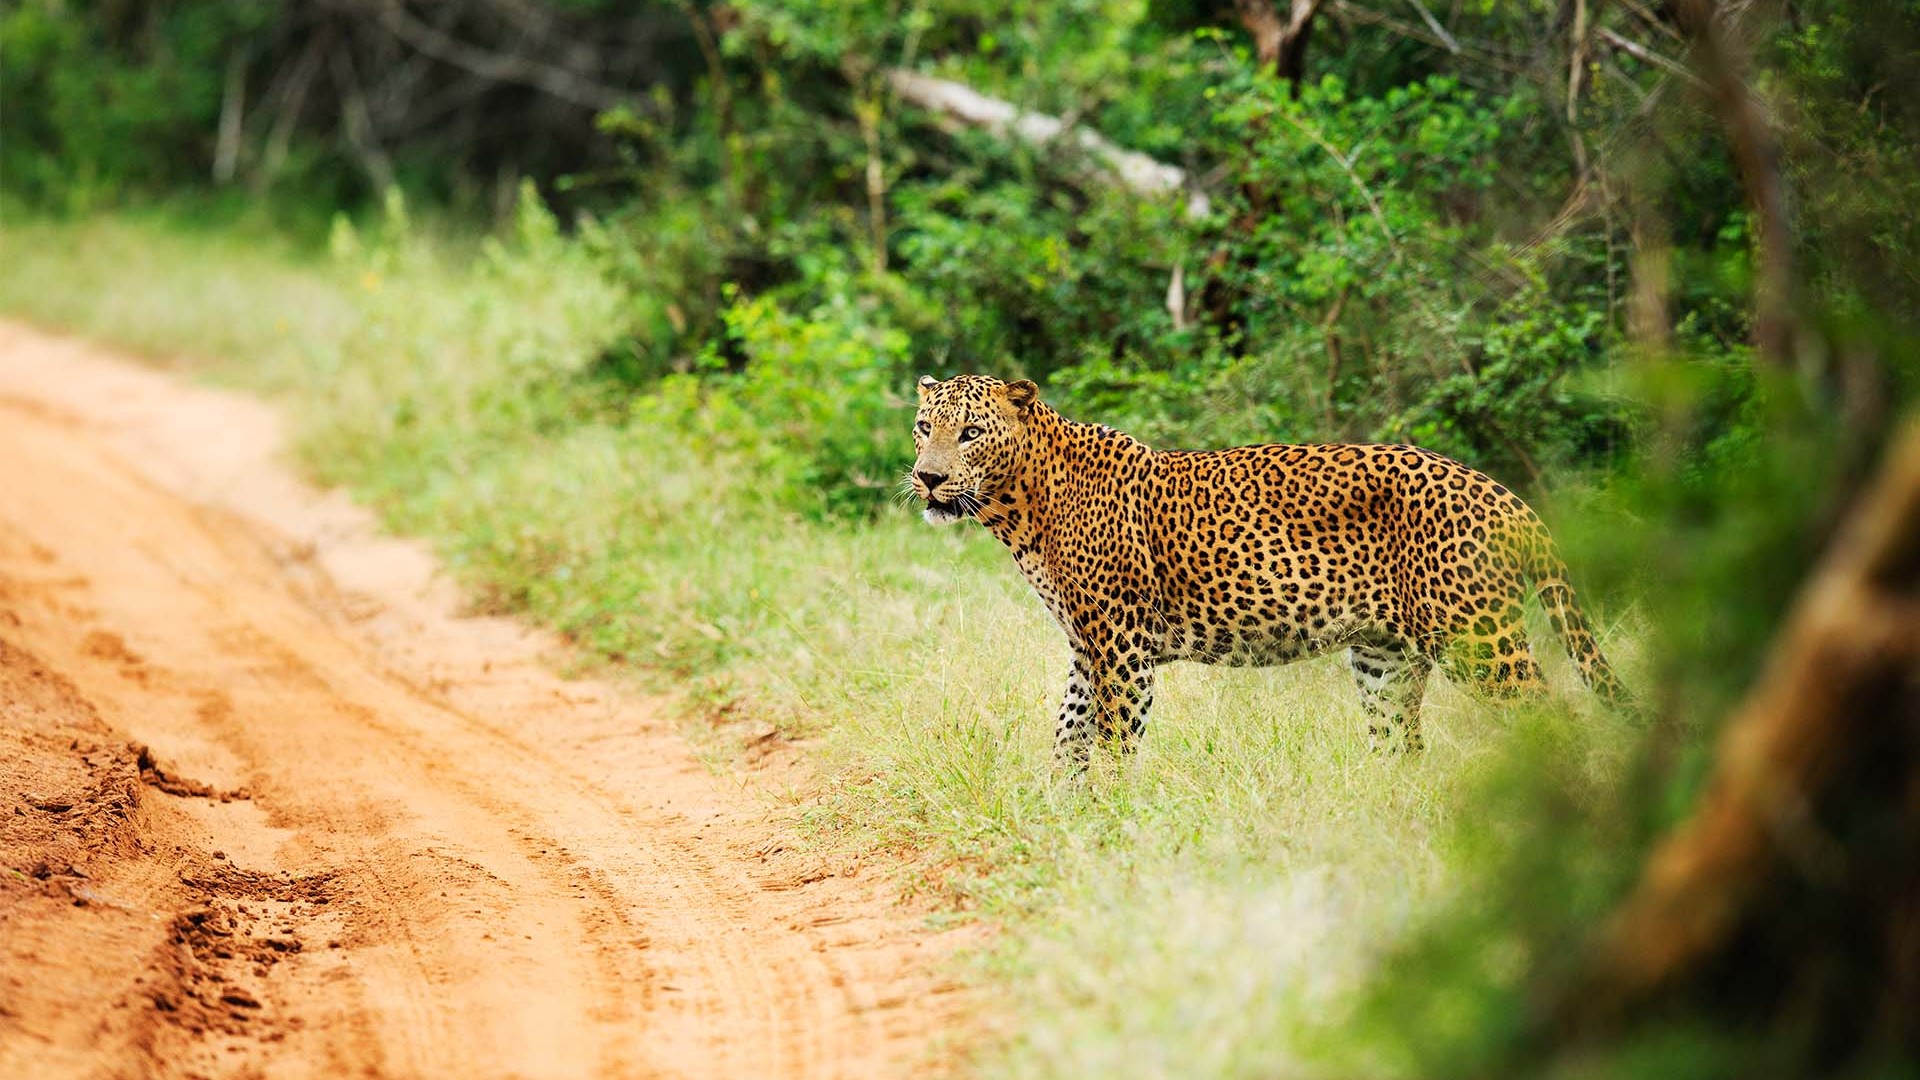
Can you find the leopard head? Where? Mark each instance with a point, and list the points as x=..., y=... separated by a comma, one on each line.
x=968, y=432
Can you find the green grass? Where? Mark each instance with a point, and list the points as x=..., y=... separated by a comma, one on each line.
x=1207, y=908
x=204, y=299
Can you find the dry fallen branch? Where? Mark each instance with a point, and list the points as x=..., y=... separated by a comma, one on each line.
x=1134, y=171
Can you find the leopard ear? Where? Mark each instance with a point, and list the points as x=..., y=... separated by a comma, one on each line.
x=1022, y=393
x=927, y=383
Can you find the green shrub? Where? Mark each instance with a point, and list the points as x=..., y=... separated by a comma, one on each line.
x=103, y=99
x=816, y=412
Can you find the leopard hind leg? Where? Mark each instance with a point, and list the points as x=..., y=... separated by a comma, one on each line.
x=1495, y=659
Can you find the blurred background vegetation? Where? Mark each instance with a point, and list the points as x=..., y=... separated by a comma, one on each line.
x=600, y=280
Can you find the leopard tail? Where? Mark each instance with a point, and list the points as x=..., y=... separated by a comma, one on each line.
x=1570, y=624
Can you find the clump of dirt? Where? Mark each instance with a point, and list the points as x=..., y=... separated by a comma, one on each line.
x=111, y=647
x=222, y=949
x=165, y=779
x=181, y=943
x=70, y=802
x=68, y=787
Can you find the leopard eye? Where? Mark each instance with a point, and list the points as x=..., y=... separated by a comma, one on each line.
x=923, y=428
x=971, y=434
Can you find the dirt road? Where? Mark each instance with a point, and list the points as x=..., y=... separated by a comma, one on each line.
x=367, y=836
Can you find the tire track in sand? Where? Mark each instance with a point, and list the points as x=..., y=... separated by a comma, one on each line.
x=525, y=876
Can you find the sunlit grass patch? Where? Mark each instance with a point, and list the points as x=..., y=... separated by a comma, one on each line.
x=198, y=299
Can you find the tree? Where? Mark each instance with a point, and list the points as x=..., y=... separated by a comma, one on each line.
x=1790, y=900
x=1280, y=44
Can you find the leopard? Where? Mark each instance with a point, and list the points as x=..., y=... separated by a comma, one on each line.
x=1252, y=556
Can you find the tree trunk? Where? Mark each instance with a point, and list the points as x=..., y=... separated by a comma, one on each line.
x=1280, y=44
x=1791, y=899
x=1757, y=154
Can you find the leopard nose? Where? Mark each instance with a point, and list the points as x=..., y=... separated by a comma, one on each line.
x=932, y=480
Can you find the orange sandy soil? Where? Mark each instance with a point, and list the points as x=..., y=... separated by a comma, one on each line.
x=270, y=806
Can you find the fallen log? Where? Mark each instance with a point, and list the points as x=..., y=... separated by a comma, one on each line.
x=964, y=106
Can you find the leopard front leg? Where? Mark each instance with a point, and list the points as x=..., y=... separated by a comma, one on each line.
x=1115, y=648
x=1073, y=734
x=1111, y=702
x=1124, y=696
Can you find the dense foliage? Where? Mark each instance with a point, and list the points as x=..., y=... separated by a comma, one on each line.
x=1380, y=255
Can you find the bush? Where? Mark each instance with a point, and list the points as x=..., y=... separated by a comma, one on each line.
x=817, y=411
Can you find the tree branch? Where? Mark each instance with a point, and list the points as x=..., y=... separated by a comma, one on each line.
x=357, y=123
x=1134, y=171
x=1577, y=68
x=1280, y=44
x=292, y=89
x=1447, y=40
x=1645, y=55
x=1758, y=158
x=1479, y=51
x=233, y=109
x=558, y=82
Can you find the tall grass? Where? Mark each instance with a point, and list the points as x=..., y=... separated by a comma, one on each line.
x=1204, y=908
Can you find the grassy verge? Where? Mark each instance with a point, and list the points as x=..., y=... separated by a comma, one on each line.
x=1204, y=910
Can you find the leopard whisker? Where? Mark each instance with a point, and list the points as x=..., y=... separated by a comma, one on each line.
x=903, y=491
